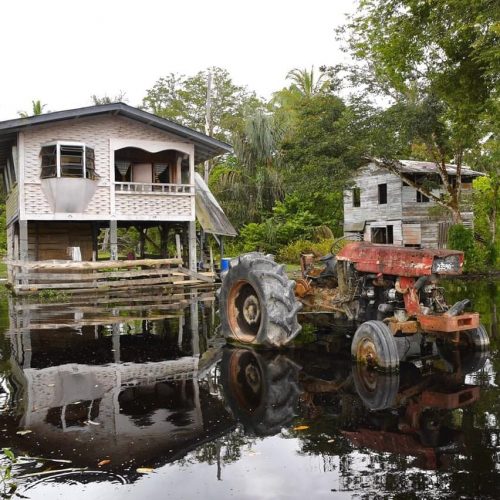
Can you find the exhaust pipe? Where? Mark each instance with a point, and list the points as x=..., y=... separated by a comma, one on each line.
x=457, y=308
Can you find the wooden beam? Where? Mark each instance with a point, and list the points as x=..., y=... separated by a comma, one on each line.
x=65, y=265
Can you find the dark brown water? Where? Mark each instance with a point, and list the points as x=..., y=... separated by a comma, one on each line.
x=139, y=398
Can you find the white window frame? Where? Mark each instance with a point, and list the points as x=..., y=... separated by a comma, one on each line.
x=58, y=145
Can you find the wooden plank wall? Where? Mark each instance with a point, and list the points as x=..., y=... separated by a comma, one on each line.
x=370, y=210
x=50, y=240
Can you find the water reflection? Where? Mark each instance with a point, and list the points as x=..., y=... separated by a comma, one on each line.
x=124, y=394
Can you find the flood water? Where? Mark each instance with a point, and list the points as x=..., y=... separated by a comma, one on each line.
x=138, y=397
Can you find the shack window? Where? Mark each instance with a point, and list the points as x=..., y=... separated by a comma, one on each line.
x=67, y=160
x=356, y=197
x=382, y=194
x=421, y=198
x=382, y=235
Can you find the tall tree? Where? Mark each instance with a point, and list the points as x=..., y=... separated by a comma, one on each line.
x=183, y=99
x=438, y=61
x=250, y=183
x=306, y=82
x=106, y=99
x=36, y=109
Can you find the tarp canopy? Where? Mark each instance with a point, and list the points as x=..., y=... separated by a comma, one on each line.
x=208, y=211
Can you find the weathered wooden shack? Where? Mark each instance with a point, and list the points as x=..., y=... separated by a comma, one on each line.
x=381, y=208
x=70, y=174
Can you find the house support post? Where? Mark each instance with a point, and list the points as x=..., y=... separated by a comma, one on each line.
x=23, y=240
x=164, y=229
x=95, y=247
x=142, y=241
x=113, y=239
x=192, y=245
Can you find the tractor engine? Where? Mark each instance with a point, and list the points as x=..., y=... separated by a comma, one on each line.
x=374, y=282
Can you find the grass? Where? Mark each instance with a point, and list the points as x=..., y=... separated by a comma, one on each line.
x=3, y=270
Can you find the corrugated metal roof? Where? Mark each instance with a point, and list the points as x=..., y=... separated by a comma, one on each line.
x=205, y=147
x=419, y=167
x=208, y=211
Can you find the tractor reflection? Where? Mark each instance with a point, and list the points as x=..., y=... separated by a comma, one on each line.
x=410, y=413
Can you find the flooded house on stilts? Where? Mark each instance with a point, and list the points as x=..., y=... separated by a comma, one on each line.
x=70, y=175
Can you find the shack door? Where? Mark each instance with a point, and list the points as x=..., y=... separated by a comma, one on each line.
x=412, y=235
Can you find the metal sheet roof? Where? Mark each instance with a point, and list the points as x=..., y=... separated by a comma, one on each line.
x=426, y=167
x=208, y=211
x=205, y=147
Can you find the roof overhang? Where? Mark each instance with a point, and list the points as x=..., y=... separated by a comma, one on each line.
x=205, y=147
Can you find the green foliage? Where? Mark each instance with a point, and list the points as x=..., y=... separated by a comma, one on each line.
x=7, y=484
x=3, y=230
x=487, y=209
x=437, y=63
x=291, y=253
x=294, y=219
x=462, y=238
x=183, y=99
x=51, y=295
x=36, y=109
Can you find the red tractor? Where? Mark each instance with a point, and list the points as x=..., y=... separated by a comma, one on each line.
x=391, y=293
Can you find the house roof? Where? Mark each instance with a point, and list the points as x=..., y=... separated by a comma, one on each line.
x=427, y=167
x=205, y=147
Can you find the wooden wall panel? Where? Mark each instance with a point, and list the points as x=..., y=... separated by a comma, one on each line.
x=368, y=180
x=50, y=240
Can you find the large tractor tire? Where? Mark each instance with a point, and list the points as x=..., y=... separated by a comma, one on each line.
x=260, y=389
x=257, y=302
x=374, y=345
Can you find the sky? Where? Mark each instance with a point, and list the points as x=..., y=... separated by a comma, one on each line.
x=62, y=52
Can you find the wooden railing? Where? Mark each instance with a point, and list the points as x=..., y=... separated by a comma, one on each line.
x=153, y=187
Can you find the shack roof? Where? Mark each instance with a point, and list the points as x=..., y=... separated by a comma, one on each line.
x=429, y=167
x=208, y=211
x=205, y=147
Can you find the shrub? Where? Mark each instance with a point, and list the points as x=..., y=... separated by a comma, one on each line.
x=291, y=252
x=462, y=238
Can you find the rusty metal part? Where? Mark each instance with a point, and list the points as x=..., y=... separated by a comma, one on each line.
x=400, y=261
x=366, y=352
x=321, y=299
x=302, y=287
x=306, y=263
x=404, y=327
x=243, y=311
x=412, y=303
x=441, y=323
x=392, y=442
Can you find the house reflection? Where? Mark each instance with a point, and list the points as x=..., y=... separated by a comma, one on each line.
x=130, y=392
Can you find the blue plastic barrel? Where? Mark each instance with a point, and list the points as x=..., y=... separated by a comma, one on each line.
x=224, y=264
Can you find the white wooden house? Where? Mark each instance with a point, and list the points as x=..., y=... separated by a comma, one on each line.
x=69, y=174
x=381, y=208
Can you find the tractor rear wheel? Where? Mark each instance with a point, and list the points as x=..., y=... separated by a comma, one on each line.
x=261, y=389
x=374, y=345
x=257, y=302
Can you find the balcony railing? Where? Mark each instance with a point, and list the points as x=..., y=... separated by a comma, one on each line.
x=153, y=187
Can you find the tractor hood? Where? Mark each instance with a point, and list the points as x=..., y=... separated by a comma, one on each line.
x=401, y=261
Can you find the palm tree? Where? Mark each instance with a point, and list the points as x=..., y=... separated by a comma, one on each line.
x=37, y=109
x=306, y=82
x=253, y=183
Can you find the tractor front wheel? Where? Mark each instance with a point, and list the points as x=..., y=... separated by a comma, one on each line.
x=477, y=338
x=374, y=345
